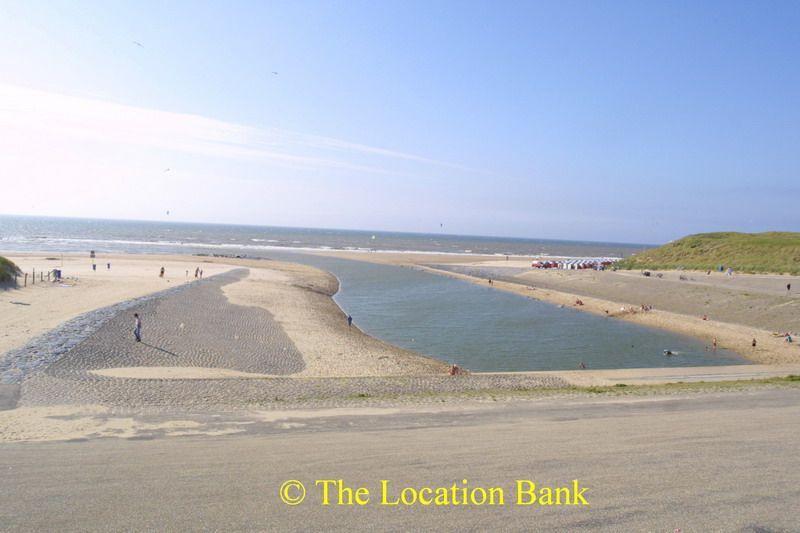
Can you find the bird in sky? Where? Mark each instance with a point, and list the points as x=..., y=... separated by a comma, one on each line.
x=137, y=43
x=274, y=73
x=167, y=169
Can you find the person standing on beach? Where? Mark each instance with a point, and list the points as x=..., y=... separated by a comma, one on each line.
x=161, y=273
x=754, y=344
x=196, y=272
x=714, y=344
x=788, y=287
x=137, y=327
x=349, y=321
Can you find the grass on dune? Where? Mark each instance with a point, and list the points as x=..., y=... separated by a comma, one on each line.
x=771, y=252
x=7, y=270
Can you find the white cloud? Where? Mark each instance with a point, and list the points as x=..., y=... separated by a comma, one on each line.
x=30, y=118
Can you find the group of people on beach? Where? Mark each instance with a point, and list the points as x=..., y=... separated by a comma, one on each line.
x=198, y=272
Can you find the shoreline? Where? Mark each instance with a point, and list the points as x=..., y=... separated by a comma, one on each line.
x=732, y=337
x=298, y=297
x=94, y=394
x=771, y=350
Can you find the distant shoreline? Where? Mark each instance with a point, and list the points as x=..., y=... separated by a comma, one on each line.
x=119, y=236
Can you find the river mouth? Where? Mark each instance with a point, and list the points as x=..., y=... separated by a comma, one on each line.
x=488, y=330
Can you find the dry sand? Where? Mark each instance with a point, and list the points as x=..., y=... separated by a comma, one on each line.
x=29, y=311
x=299, y=297
x=70, y=422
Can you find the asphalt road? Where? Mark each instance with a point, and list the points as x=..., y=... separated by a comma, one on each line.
x=705, y=462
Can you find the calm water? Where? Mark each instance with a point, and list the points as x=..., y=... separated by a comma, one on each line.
x=476, y=327
x=485, y=329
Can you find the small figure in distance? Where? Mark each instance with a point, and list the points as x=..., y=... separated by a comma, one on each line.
x=349, y=321
x=137, y=327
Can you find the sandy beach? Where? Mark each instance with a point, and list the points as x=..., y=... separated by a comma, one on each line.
x=297, y=296
x=41, y=306
x=264, y=334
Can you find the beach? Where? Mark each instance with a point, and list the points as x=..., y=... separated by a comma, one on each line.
x=260, y=333
x=298, y=297
x=243, y=376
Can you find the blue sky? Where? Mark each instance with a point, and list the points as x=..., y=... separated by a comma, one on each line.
x=614, y=121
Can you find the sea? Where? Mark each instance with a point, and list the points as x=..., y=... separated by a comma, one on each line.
x=476, y=327
x=19, y=233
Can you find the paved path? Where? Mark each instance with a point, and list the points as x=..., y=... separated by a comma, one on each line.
x=656, y=376
x=711, y=462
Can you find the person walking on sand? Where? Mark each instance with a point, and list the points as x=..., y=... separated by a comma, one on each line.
x=161, y=273
x=788, y=287
x=137, y=327
x=714, y=344
x=196, y=272
x=754, y=344
x=349, y=321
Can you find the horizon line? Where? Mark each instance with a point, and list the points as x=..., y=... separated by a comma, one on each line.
x=405, y=232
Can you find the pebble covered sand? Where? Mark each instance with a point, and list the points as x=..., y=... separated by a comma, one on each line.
x=196, y=326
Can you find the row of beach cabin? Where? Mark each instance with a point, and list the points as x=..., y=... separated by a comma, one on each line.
x=598, y=263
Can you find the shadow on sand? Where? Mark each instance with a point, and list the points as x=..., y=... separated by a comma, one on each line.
x=160, y=349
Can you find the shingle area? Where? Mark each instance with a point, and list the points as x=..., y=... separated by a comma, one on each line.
x=197, y=326
x=193, y=327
